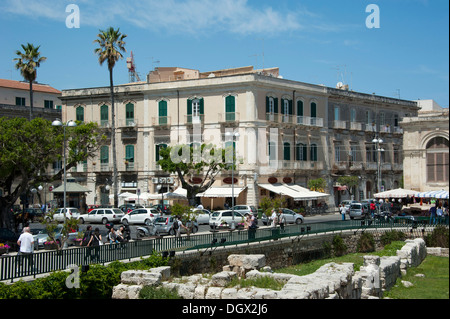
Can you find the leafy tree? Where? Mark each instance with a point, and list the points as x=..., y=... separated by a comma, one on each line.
x=349, y=181
x=268, y=204
x=28, y=148
x=27, y=62
x=187, y=162
x=111, y=45
x=318, y=184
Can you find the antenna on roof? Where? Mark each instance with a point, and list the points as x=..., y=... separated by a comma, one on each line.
x=131, y=66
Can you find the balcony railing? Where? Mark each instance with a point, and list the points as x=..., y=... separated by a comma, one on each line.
x=342, y=125
x=229, y=117
x=161, y=121
x=356, y=126
x=194, y=119
x=127, y=123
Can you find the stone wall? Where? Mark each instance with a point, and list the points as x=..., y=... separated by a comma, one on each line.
x=331, y=281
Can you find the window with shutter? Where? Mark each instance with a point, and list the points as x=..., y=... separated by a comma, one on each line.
x=80, y=114
x=162, y=112
x=129, y=153
x=104, y=115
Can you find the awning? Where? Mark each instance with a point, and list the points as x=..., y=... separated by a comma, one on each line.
x=295, y=191
x=442, y=194
x=225, y=191
x=71, y=187
x=396, y=193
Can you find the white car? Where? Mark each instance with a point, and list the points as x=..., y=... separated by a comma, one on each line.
x=291, y=217
x=140, y=216
x=102, y=215
x=71, y=212
x=202, y=216
x=224, y=218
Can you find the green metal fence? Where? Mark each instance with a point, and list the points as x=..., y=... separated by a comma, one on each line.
x=17, y=266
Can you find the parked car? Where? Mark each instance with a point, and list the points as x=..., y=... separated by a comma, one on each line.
x=129, y=207
x=42, y=236
x=359, y=210
x=164, y=225
x=71, y=212
x=291, y=217
x=140, y=216
x=102, y=215
x=203, y=216
x=225, y=218
x=245, y=209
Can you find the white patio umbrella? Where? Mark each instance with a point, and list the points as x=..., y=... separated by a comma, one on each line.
x=396, y=193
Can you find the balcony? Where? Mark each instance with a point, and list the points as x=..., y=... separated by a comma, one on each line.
x=127, y=123
x=194, y=119
x=385, y=129
x=397, y=130
x=354, y=126
x=371, y=127
x=339, y=125
x=161, y=121
x=371, y=166
x=355, y=166
x=297, y=165
x=309, y=121
x=229, y=117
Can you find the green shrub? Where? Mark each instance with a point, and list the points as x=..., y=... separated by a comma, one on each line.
x=366, y=243
x=438, y=238
x=390, y=236
x=339, y=247
x=149, y=292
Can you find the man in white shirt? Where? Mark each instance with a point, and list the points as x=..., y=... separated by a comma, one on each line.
x=26, y=243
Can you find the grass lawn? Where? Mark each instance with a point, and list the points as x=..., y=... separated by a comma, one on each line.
x=435, y=284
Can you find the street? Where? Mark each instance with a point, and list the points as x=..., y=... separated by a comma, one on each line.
x=202, y=228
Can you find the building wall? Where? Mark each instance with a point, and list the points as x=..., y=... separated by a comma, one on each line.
x=256, y=129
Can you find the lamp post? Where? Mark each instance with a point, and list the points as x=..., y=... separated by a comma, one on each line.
x=234, y=137
x=68, y=124
x=377, y=141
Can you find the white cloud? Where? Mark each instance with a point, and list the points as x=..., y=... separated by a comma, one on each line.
x=173, y=16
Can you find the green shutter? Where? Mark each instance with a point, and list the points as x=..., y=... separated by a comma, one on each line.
x=162, y=108
x=104, y=155
x=202, y=106
x=189, y=107
x=129, y=153
x=230, y=104
x=129, y=111
x=267, y=104
x=80, y=114
x=300, y=108
x=287, y=152
x=275, y=103
x=104, y=113
x=290, y=108
x=313, y=109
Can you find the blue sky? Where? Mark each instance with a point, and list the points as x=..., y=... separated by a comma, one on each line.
x=314, y=41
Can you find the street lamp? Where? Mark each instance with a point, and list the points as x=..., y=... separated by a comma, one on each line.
x=234, y=136
x=377, y=141
x=68, y=124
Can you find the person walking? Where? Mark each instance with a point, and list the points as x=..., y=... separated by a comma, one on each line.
x=433, y=215
x=177, y=225
x=95, y=242
x=26, y=243
x=281, y=220
x=342, y=211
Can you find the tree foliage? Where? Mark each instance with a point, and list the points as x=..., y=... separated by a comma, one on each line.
x=204, y=162
x=29, y=148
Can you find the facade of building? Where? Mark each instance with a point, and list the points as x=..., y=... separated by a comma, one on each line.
x=290, y=132
x=426, y=148
x=15, y=100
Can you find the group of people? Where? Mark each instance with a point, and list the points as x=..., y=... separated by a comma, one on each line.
x=278, y=218
x=438, y=212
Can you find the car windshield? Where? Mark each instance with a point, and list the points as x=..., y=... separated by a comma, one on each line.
x=161, y=220
x=117, y=211
x=355, y=206
x=215, y=214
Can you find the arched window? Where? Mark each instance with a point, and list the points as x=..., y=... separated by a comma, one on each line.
x=313, y=155
x=286, y=151
x=129, y=114
x=80, y=114
x=162, y=112
x=301, y=152
x=230, y=108
x=437, y=160
x=104, y=115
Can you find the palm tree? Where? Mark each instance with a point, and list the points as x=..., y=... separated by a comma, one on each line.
x=27, y=62
x=111, y=44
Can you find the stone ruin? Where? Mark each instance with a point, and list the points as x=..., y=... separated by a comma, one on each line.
x=331, y=281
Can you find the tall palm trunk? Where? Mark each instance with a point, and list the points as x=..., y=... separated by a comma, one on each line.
x=31, y=100
x=113, y=139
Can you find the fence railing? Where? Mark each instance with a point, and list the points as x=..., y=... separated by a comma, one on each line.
x=17, y=266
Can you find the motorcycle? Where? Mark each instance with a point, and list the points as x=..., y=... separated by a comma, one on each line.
x=147, y=231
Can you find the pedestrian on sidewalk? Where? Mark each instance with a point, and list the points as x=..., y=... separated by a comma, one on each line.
x=26, y=243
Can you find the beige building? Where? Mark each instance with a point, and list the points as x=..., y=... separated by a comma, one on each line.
x=426, y=148
x=15, y=100
x=290, y=132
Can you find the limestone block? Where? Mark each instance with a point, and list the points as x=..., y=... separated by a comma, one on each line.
x=122, y=291
x=214, y=293
x=186, y=291
x=222, y=279
x=133, y=291
x=247, y=261
x=163, y=270
x=229, y=293
x=141, y=277
x=199, y=292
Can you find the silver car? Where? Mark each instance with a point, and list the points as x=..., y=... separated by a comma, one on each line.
x=71, y=212
x=291, y=217
x=358, y=210
x=202, y=216
x=164, y=225
x=102, y=215
x=42, y=236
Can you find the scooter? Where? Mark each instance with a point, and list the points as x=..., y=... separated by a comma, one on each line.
x=147, y=231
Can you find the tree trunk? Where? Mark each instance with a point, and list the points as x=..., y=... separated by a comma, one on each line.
x=31, y=100
x=113, y=140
